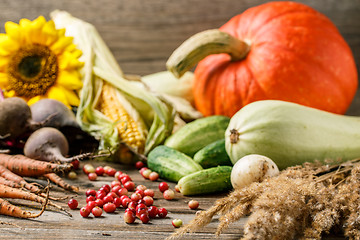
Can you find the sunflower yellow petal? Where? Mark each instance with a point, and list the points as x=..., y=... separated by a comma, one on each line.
x=38, y=23
x=70, y=80
x=35, y=99
x=72, y=97
x=7, y=46
x=3, y=63
x=50, y=32
x=24, y=23
x=59, y=46
x=13, y=30
x=57, y=93
x=10, y=93
x=3, y=80
x=67, y=61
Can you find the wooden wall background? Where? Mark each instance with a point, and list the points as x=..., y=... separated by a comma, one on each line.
x=143, y=33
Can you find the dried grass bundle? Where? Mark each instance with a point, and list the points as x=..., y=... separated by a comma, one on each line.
x=302, y=202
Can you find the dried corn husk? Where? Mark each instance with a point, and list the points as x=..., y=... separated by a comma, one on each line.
x=101, y=66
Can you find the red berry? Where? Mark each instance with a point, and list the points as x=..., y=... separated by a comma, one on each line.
x=141, y=192
x=90, y=192
x=141, y=201
x=148, y=200
x=153, y=211
x=116, y=189
x=125, y=202
x=144, y=217
x=120, y=176
x=92, y=176
x=177, y=223
x=108, y=198
x=129, y=217
x=135, y=197
x=132, y=205
x=163, y=186
x=117, y=174
x=99, y=202
x=100, y=194
x=96, y=211
x=117, y=202
x=73, y=203
x=149, y=192
x=106, y=187
x=193, y=204
x=177, y=188
x=131, y=210
x=76, y=164
x=162, y=212
x=125, y=179
x=90, y=198
x=88, y=168
x=99, y=171
x=130, y=185
x=139, y=164
x=91, y=205
x=123, y=197
x=141, y=187
x=115, y=183
x=140, y=206
x=123, y=191
x=169, y=194
x=141, y=211
x=146, y=173
x=142, y=170
x=84, y=212
x=113, y=194
x=109, y=207
x=154, y=176
x=110, y=172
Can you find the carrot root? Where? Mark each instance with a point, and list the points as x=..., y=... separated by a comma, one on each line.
x=61, y=182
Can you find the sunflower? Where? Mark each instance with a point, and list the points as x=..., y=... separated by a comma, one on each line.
x=38, y=61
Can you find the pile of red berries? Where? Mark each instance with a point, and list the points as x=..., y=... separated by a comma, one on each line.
x=110, y=197
x=138, y=204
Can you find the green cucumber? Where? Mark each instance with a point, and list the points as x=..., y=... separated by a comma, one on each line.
x=171, y=164
x=213, y=155
x=211, y=180
x=197, y=134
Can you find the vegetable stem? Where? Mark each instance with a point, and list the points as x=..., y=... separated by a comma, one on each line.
x=203, y=44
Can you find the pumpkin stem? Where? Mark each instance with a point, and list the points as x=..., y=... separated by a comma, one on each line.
x=234, y=136
x=202, y=44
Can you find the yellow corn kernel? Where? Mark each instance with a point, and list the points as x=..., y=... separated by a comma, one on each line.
x=130, y=131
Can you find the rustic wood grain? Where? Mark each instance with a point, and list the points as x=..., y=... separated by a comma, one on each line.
x=57, y=225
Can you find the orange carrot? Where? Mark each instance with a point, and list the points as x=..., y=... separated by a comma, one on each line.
x=60, y=182
x=15, y=193
x=7, y=174
x=9, y=183
x=27, y=167
x=9, y=209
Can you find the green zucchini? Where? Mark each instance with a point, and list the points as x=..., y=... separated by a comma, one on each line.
x=211, y=180
x=171, y=164
x=213, y=155
x=292, y=134
x=197, y=134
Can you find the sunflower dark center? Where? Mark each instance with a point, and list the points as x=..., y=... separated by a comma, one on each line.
x=32, y=70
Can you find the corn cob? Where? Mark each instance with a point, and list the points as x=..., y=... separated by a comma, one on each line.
x=131, y=129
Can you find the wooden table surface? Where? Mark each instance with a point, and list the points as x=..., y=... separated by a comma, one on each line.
x=53, y=224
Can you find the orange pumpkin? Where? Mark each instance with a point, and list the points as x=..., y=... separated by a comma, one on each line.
x=278, y=50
